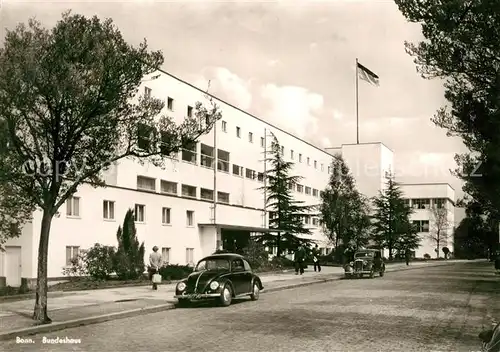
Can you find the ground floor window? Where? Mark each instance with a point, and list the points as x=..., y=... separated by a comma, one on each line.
x=71, y=254
x=190, y=256
x=165, y=255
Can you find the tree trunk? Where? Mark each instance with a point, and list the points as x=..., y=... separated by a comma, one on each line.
x=278, y=245
x=40, y=311
x=437, y=243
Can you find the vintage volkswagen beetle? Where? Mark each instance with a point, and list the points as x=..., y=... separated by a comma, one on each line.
x=366, y=262
x=219, y=277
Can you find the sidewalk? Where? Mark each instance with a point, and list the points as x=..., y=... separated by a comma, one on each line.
x=93, y=306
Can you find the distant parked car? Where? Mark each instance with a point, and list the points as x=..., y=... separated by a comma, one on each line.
x=366, y=262
x=220, y=278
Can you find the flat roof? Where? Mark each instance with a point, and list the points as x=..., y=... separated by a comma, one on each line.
x=241, y=228
x=427, y=184
x=243, y=111
x=365, y=143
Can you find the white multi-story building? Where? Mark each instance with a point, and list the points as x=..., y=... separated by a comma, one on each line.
x=175, y=208
x=433, y=210
x=372, y=163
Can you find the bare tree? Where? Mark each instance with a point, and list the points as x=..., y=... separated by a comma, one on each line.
x=440, y=226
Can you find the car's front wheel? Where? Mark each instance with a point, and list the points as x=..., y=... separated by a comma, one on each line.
x=226, y=295
x=255, y=292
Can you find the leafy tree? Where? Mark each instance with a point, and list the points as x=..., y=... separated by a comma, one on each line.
x=14, y=212
x=129, y=258
x=440, y=226
x=409, y=240
x=344, y=212
x=461, y=47
x=476, y=234
x=68, y=108
x=391, y=220
x=285, y=213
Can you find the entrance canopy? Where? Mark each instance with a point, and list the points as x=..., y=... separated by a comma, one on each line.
x=241, y=228
x=233, y=238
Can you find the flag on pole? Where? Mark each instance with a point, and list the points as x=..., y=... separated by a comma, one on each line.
x=367, y=75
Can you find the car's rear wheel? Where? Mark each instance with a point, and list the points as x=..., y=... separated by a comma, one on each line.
x=255, y=292
x=226, y=295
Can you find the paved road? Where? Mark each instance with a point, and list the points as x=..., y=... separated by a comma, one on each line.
x=432, y=309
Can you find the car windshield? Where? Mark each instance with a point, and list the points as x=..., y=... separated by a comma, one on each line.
x=364, y=255
x=212, y=264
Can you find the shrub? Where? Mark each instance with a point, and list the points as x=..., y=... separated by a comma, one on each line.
x=427, y=256
x=99, y=261
x=256, y=255
x=77, y=268
x=129, y=258
x=282, y=263
x=175, y=272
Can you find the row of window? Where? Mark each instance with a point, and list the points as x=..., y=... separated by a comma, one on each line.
x=306, y=219
x=426, y=203
x=149, y=184
x=145, y=183
x=189, y=113
x=282, y=148
x=166, y=215
x=108, y=212
x=207, y=160
x=170, y=102
x=73, y=251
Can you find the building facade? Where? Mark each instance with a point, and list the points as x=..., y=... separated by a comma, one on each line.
x=201, y=194
x=434, y=215
x=433, y=204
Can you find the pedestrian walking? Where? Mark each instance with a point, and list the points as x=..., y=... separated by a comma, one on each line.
x=155, y=262
x=316, y=253
x=299, y=257
x=407, y=257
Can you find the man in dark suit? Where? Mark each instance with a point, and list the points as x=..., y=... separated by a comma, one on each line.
x=299, y=257
x=316, y=254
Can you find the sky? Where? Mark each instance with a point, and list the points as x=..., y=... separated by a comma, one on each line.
x=292, y=63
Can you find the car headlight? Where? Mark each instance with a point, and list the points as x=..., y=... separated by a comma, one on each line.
x=214, y=285
x=181, y=286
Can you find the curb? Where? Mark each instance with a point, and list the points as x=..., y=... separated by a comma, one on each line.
x=68, y=292
x=84, y=321
x=162, y=307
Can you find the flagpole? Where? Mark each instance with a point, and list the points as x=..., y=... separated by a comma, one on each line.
x=357, y=107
